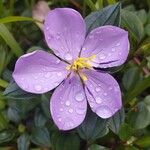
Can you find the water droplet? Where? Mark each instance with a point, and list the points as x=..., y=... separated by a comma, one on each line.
x=57, y=61
x=47, y=28
x=59, y=119
x=109, y=54
x=102, y=56
x=113, y=49
x=80, y=97
x=120, y=53
x=22, y=79
x=98, y=100
x=67, y=103
x=91, y=36
x=61, y=109
x=104, y=112
x=38, y=87
x=47, y=75
x=59, y=74
x=105, y=94
x=80, y=111
x=70, y=110
x=118, y=44
x=97, y=89
x=110, y=88
x=68, y=56
x=83, y=48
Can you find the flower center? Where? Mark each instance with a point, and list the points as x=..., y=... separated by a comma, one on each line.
x=81, y=63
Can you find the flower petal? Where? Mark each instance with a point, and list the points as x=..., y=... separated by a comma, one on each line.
x=103, y=93
x=64, y=31
x=39, y=72
x=68, y=104
x=110, y=44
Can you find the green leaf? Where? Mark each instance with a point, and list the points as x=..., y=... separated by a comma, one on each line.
x=15, y=19
x=6, y=136
x=2, y=58
x=147, y=29
x=130, y=78
x=125, y=132
x=142, y=15
x=138, y=117
x=39, y=119
x=9, y=39
x=65, y=141
x=40, y=136
x=133, y=24
x=3, y=122
x=23, y=142
x=107, y=16
x=143, y=142
x=138, y=89
x=97, y=147
x=90, y=4
x=93, y=127
x=13, y=91
x=116, y=120
x=13, y=115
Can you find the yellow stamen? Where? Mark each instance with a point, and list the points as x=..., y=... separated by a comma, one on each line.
x=81, y=63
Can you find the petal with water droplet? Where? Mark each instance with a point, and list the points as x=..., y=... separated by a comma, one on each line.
x=105, y=100
x=72, y=102
x=110, y=44
x=39, y=72
x=66, y=32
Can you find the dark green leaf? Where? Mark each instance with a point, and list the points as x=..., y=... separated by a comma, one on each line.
x=6, y=136
x=14, y=92
x=138, y=89
x=107, y=16
x=133, y=24
x=125, y=132
x=40, y=136
x=93, y=127
x=65, y=141
x=139, y=118
x=23, y=142
x=116, y=121
x=39, y=119
x=3, y=122
x=130, y=78
x=143, y=142
x=97, y=147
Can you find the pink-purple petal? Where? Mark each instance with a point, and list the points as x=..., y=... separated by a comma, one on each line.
x=39, y=72
x=68, y=104
x=64, y=30
x=110, y=44
x=103, y=93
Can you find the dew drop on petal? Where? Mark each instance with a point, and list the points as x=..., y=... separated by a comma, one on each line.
x=38, y=87
x=47, y=75
x=58, y=61
x=80, y=111
x=61, y=109
x=98, y=100
x=104, y=112
x=59, y=74
x=59, y=119
x=97, y=89
x=102, y=56
x=80, y=97
x=68, y=56
x=70, y=110
x=113, y=49
x=67, y=103
x=118, y=44
x=105, y=94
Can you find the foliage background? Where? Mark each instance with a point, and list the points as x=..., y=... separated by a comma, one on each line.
x=25, y=121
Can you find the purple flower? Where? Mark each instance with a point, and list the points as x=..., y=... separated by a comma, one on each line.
x=72, y=69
